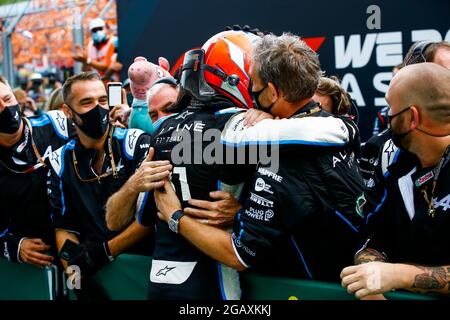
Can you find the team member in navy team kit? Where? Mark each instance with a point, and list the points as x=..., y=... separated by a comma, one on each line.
x=87, y=170
x=410, y=244
x=302, y=215
x=379, y=151
x=26, y=234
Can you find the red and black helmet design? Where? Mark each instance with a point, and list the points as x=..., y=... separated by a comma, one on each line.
x=221, y=66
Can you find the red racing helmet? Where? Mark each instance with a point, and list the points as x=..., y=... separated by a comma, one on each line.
x=220, y=67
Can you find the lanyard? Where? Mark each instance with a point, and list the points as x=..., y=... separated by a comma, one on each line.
x=103, y=175
x=306, y=113
x=41, y=162
x=442, y=163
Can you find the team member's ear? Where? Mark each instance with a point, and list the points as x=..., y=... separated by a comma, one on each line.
x=415, y=119
x=273, y=94
x=65, y=108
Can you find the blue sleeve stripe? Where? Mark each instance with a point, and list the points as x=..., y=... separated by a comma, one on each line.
x=40, y=121
x=119, y=133
x=396, y=156
x=227, y=111
x=241, y=232
x=378, y=207
x=301, y=257
x=141, y=209
x=346, y=221
x=70, y=145
x=4, y=232
x=219, y=271
x=63, y=204
x=281, y=142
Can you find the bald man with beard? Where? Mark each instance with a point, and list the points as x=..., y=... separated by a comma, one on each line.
x=410, y=245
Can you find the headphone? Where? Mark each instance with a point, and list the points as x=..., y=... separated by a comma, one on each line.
x=418, y=51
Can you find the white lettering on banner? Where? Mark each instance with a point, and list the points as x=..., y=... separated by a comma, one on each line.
x=353, y=54
x=380, y=85
x=389, y=50
x=350, y=84
x=428, y=34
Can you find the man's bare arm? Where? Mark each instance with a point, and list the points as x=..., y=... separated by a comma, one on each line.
x=130, y=236
x=121, y=205
x=429, y=279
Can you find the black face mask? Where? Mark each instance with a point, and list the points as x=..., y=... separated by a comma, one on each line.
x=93, y=123
x=398, y=138
x=255, y=95
x=10, y=119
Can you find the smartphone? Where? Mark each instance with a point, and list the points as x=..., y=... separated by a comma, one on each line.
x=114, y=94
x=70, y=250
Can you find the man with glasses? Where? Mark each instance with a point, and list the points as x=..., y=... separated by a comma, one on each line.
x=89, y=169
x=410, y=243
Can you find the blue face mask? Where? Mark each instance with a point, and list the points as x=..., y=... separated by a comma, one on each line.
x=139, y=118
x=99, y=36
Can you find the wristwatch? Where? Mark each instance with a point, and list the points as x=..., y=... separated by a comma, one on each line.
x=175, y=220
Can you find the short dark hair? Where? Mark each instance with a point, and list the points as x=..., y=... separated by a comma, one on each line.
x=83, y=76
